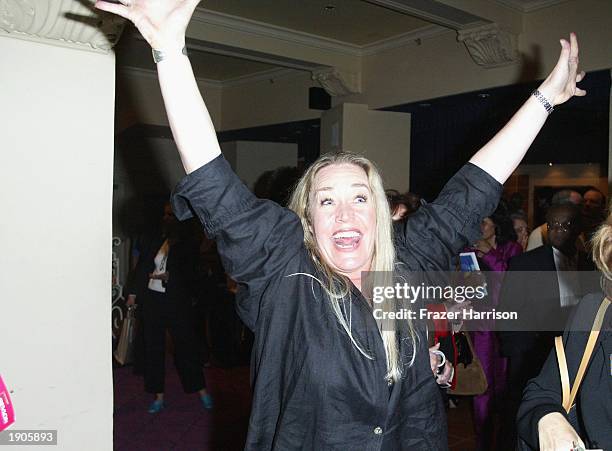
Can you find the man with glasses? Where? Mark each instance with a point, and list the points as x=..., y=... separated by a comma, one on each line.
x=541, y=285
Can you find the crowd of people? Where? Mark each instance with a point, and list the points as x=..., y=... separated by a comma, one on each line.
x=326, y=373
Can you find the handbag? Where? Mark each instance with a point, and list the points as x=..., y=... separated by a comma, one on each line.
x=124, y=353
x=471, y=379
x=569, y=393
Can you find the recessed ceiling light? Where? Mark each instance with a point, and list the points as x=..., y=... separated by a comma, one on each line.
x=329, y=9
x=549, y=164
x=484, y=95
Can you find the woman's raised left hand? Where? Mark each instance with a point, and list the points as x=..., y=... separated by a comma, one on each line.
x=560, y=85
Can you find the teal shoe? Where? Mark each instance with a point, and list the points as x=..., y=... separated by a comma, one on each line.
x=207, y=401
x=156, y=406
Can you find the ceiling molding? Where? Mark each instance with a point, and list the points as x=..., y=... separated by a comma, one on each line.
x=67, y=23
x=521, y=6
x=140, y=72
x=248, y=26
x=433, y=11
x=402, y=40
x=229, y=83
x=271, y=74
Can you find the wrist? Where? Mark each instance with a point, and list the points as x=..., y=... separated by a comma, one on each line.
x=168, y=53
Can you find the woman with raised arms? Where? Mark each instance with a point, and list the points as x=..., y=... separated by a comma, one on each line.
x=325, y=375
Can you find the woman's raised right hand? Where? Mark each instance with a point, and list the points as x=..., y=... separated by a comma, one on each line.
x=161, y=22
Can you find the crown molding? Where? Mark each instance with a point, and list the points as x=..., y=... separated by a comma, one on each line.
x=253, y=27
x=404, y=39
x=228, y=83
x=241, y=24
x=258, y=76
x=64, y=23
x=141, y=72
x=535, y=5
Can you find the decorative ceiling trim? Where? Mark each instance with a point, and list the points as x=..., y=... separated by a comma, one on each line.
x=267, y=75
x=152, y=74
x=249, y=26
x=521, y=6
x=65, y=23
x=228, y=83
x=256, y=28
x=336, y=82
x=489, y=46
x=402, y=40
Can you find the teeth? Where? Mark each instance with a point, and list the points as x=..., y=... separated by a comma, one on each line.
x=350, y=234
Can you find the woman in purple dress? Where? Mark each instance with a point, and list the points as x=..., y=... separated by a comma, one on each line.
x=494, y=249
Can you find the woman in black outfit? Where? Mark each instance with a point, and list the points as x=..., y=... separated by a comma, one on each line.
x=163, y=286
x=325, y=376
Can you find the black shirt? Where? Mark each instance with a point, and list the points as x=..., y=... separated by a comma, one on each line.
x=312, y=389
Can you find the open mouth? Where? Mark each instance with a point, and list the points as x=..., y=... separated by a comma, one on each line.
x=346, y=239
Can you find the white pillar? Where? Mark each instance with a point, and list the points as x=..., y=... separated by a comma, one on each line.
x=57, y=116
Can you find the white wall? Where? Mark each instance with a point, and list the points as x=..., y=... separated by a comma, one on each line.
x=250, y=159
x=381, y=136
x=270, y=101
x=57, y=112
x=139, y=100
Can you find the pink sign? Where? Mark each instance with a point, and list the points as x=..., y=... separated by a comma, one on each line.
x=7, y=414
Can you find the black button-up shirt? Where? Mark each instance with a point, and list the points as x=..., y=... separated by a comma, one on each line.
x=312, y=389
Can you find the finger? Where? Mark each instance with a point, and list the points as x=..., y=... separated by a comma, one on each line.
x=580, y=76
x=573, y=45
x=580, y=92
x=113, y=8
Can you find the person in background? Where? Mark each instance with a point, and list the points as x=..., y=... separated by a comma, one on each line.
x=519, y=223
x=593, y=212
x=162, y=284
x=538, y=236
x=542, y=422
x=494, y=250
x=541, y=285
x=398, y=204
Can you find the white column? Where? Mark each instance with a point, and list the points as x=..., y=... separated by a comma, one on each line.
x=57, y=116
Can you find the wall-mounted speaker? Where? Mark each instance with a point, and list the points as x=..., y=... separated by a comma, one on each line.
x=318, y=99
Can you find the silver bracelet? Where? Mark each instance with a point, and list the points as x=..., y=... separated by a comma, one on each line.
x=543, y=100
x=160, y=55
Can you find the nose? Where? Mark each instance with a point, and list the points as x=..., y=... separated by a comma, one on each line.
x=343, y=213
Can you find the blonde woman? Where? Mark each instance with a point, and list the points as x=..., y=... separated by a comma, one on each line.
x=324, y=375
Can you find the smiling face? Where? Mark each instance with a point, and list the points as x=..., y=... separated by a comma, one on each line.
x=343, y=217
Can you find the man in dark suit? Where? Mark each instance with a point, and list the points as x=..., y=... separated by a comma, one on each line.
x=542, y=286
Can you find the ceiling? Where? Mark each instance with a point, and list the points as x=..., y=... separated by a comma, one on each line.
x=351, y=21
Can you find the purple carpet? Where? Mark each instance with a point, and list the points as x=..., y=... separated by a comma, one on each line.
x=184, y=424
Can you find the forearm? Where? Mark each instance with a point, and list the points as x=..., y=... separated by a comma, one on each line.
x=503, y=153
x=189, y=119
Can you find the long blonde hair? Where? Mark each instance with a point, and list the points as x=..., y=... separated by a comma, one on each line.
x=336, y=285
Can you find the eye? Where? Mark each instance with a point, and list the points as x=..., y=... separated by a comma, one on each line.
x=326, y=201
x=362, y=198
